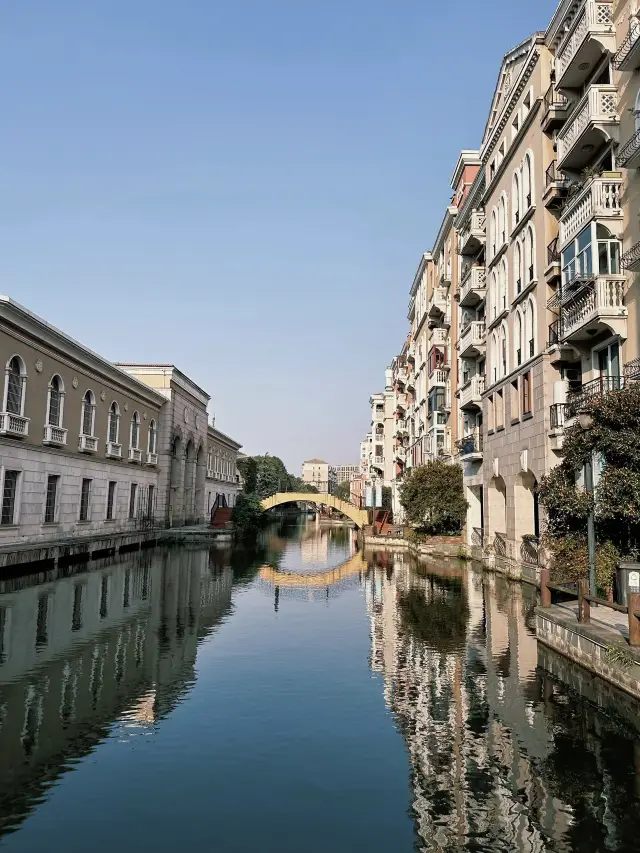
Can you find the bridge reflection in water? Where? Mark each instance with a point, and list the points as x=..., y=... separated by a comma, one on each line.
x=77, y=653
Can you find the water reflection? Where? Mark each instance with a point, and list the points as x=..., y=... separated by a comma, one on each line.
x=114, y=643
x=504, y=757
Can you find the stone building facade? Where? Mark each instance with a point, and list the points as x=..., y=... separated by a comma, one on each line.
x=91, y=452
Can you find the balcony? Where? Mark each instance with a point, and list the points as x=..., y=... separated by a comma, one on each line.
x=87, y=444
x=470, y=447
x=471, y=393
x=439, y=337
x=473, y=287
x=438, y=378
x=114, y=450
x=401, y=401
x=629, y=154
x=590, y=34
x=473, y=339
x=576, y=400
x=401, y=427
x=152, y=459
x=552, y=271
x=54, y=435
x=555, y=111
x=598, y=199
x=439, y=302
x=14, y=426
x=556, y=188
x=557, y=349
x=473, y=236
x=628, y=56
x=135, y=455
x=594, y=121
x=559, y=415
x=590, y=305
x=631, y=259
x=377, y=460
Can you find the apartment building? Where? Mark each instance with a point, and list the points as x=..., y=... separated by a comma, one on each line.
x=90, y=451
x=345, y=473
x=315, y=472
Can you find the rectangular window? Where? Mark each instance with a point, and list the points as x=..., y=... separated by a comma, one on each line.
x=525, y=384
x=9, y=497
x=132, y=500
x=491, y=423
x=514, y=401
x=111, y=500
x=51, y=499
x=499, y=410
x=151, y=502
x=85, y=499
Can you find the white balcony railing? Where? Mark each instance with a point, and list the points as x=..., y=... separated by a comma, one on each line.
x=472, y=336
x=135, y=455
x=439, y=301
x=152, y=459
x=594, y=19
x=473, y=235
x=439, y=337
x=598, y=106
x=54, y=435
x=439, y=377
x=599, y=199
x=14, y=425
x=378, y=460
x=602, y=300
x=471, y=393
x=87, y=444
x=401, y=400
x=114, y=450
x=474, y=284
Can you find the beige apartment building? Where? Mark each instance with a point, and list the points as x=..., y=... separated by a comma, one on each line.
x=93, y=455
x=315, y=472
x=539, y=249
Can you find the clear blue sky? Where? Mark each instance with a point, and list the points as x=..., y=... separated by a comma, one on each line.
x=241, y=188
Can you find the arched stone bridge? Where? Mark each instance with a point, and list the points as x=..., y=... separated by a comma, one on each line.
x=358, y=516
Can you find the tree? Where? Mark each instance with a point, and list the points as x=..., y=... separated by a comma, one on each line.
x=343, y=491
x=249, y=469
x=433, y=497
x=247, y=514
x=613, y=440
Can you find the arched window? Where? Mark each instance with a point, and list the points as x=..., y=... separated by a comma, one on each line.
x=518, y=338
x=502, y=295
x=494, y=231
x=493, y=296
x=527, y=181
x=530, y=328
x=518, y=266
x=134, y=437
x=504, y=218
x=494, y=356
x=504, y=346
x=114, y=423
x=530, y=254
x=55, y=402
x=153, y=436
x=515, y=198
x=88, y=413
x=15, y=386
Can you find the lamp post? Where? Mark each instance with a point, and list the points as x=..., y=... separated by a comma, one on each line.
x=586, y=422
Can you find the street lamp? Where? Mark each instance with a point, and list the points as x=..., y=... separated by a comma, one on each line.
x=586, y=422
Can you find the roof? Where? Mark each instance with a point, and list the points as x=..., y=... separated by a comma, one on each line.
x=314, y=461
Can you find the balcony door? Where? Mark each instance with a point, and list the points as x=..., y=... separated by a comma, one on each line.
x=607, y=366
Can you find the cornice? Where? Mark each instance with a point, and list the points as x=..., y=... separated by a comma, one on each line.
x=424, y=261
x=216, y=435
x=472, y=201
x=447, y=223
x=508, y=160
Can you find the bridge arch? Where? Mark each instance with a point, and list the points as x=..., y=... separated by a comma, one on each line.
x=358, y=516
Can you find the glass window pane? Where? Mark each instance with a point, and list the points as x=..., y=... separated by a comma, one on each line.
x=603, y=258
x=584, y=238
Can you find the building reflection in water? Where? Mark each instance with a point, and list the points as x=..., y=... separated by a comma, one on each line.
x=503, y=757
x=118, y=642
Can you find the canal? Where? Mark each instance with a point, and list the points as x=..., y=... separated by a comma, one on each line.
x=299, y=698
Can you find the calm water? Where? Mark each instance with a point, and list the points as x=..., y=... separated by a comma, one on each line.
x=299, y=699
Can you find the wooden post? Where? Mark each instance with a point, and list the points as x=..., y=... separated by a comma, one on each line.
x=633, y=603
x=584, y=609
x=545, y=592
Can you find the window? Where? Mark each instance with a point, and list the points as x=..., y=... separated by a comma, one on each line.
x=515, y=126
x=9, y=497
x=515, y=199
x=153, y=437
x=526, y=105
x=491, y=421
x=111, y=500
x=525, y=385
x=518, y=338
x=88, y=413
x=85, y=499
x=530, y=328
x=54, y=409
x=132, y=500
x=518, y=266
x=499, y=410
x=502, y=281
x=135, y=431
x=530, y=254
x=494, y=231
x=51, y=499
x=577, y=258
x=114, y=423
x=151, y=502
x=14, y=386
x=514, y=402
x=527, y=181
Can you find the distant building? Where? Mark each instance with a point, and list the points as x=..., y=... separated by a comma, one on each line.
x=346, y=473
x=315, y=472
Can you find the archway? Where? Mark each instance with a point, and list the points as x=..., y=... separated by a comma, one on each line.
x=189, y=481
x=201, y=472
x=527, y=516
x=176, y=484
x=358, y=516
